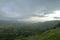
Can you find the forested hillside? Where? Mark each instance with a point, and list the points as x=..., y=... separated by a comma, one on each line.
x=52, y=34
x=24, y=31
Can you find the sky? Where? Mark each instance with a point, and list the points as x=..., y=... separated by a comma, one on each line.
x=30, y=10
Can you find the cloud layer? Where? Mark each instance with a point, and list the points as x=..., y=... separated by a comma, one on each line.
x=29, y=10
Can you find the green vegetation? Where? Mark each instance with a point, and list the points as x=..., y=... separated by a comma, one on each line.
x=11, y=31
x=49, y=34
x=52, y=34
x=17, y=31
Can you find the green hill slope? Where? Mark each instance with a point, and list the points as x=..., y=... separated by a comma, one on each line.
x=52, y=34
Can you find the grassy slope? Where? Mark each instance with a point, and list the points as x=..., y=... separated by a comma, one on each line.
x=52, y=34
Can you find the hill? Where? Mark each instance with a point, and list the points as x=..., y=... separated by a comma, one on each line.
x=52, y=34
x=10, y=31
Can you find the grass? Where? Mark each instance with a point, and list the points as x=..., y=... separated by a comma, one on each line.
x=52, y=34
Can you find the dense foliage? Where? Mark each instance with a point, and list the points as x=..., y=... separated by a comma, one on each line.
x=23, y=31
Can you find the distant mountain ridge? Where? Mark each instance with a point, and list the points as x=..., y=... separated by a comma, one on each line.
x=39, y=25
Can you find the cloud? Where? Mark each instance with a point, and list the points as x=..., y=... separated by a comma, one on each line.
x=55, y=15
x=38, y=19
x=29, y=10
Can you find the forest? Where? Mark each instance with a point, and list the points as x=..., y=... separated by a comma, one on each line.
x=12, y=31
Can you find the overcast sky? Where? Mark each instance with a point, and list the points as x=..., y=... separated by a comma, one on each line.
x=30, y=10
